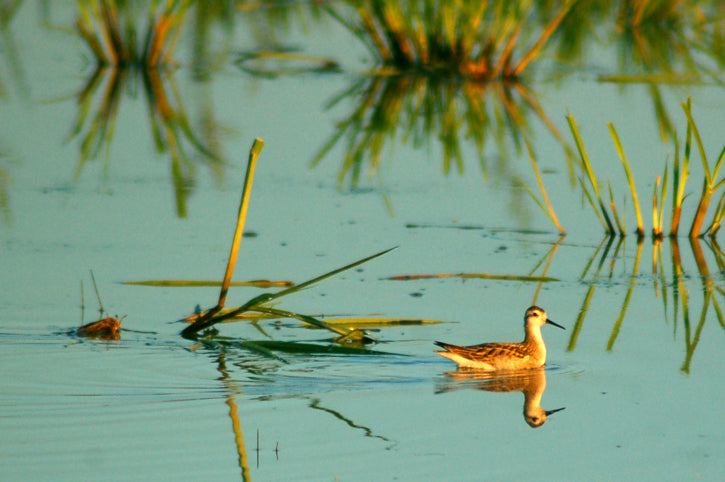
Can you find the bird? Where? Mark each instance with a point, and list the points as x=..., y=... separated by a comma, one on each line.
x=530, y=353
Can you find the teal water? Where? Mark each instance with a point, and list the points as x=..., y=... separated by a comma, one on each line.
x=639, y=368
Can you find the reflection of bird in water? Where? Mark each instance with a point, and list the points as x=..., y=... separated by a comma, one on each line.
x=530, y=353
x=531, y=382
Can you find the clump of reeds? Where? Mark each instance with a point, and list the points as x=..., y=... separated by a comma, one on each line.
x=680, y=173
x=117, y=34
x=470, y=37
x=261, y=303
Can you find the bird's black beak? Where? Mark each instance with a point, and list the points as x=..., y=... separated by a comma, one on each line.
x=555, y=324
x=549, y=412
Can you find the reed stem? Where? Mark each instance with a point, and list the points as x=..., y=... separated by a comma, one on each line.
x=550, y=212
x=609, y=227
x=630, y=179
x=257, y=147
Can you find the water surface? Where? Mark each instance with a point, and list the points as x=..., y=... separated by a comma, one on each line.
x=639, y=368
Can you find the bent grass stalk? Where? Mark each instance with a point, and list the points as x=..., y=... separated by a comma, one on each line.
x=718, y=217
x=630, y=179
x=709, y=186
x=609, y=228
x=254, y=152
x=620, y=224
x=658, y=202
x=549, y=210
x=679, y=179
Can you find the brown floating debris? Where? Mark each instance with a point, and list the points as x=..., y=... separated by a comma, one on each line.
x=105, y=329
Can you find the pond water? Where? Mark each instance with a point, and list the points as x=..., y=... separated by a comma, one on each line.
x=639, y=368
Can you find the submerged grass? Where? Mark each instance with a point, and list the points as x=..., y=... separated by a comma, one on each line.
x=499, y=277
x=260, y=304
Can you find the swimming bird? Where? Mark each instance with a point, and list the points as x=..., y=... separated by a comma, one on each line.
x=530, y=353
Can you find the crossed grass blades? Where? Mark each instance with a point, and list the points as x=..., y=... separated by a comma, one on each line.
x=261, y=306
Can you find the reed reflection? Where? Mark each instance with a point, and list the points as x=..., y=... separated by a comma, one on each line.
x=225, y=359
x=675, y=294
x=133, y=48
x=420, y=109
x=170, y=128
x=531, y=382
x=233, y=415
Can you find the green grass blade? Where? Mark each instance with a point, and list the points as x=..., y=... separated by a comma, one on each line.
x=591, y=203
x=687, y=107
x=663, y=196
x=630, y=179
x=307, y=283
x=590, y=173
x=550, y=209
x=620, y=226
